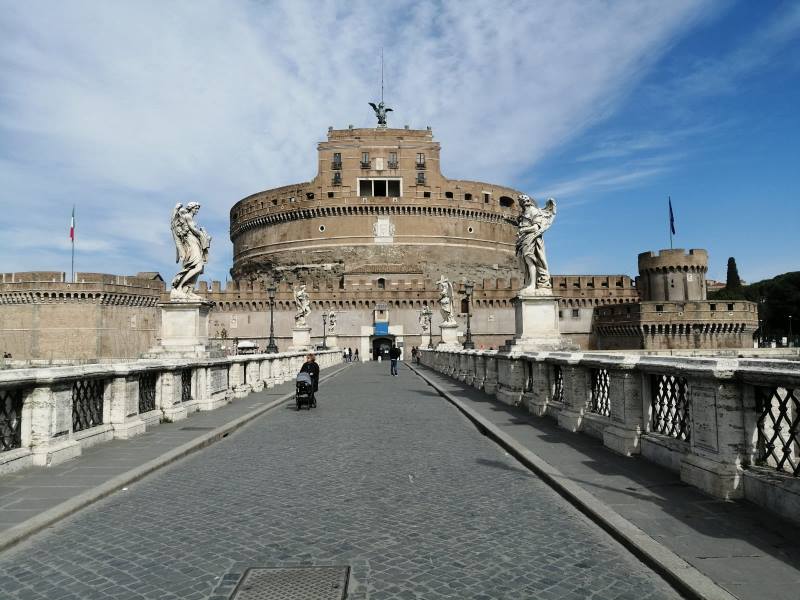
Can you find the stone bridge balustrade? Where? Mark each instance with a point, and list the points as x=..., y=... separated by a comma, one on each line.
x=66, y=409
x=728, y=426
x=479, y=376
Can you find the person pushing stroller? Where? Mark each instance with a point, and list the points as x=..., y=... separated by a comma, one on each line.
x=307, y=383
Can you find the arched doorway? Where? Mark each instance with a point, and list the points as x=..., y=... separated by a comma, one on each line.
x=380, y=347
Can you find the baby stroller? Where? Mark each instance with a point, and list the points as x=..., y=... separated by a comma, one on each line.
x=304, y=391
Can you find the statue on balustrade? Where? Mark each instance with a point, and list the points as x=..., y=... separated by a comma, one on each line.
x=532, y=222
x=425, y=318
x=332, y=323
x=446, y=303
x=303, y=306
x=191, y=250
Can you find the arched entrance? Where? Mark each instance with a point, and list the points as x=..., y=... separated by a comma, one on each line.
x=381, y=345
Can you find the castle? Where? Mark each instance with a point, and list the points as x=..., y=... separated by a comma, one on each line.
x=369, y=236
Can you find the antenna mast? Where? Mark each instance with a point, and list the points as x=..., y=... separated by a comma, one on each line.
x=381, y=74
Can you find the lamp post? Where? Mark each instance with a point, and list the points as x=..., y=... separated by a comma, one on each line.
x=469, y=286
x=272, y=347
x=324, y=330
x=790, y=331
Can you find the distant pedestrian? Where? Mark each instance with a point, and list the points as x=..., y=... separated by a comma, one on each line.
x=413, y=354
x=394, y=356
x=349, y=355
x=355, y=355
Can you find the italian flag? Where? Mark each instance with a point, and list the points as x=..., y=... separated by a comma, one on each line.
x=72, y=225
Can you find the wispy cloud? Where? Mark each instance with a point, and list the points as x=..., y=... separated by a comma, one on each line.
x=127, y=107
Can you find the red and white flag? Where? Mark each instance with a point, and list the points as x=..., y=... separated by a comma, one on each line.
x=72, y=225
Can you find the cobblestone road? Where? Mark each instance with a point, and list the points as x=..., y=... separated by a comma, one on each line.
x=384, y=476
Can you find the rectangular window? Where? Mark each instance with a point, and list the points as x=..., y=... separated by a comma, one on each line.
x=576, y=312
x=365, y=160
x=420, y=160
x=659, y=308
x=421, y=178
x=379, y=188
x=365, y=188
x=337, y=160
x=392, y=160
x=730, y=306
x=485, y=198
x=712, y=306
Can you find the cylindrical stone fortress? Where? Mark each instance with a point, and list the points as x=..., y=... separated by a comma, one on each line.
x=378, y=198
x=672, y=275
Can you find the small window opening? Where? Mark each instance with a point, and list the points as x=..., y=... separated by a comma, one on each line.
x=467, y=196
x=506, y=202
x=448, y=194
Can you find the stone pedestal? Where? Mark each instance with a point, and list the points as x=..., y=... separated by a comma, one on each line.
x=426, y=340
x=184, y=331
x=331, y=341
x=536, y=322
x=449, y=337
x=301, y=339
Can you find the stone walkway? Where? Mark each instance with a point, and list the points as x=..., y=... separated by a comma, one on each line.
x=745, y=549
x=384, y=476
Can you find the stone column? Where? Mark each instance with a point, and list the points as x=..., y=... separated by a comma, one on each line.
x=480, y=370
x=577, y=391
x=627, y=418
x=168, y=396
x=538, y=398
x=490, y=383
x=124, y=413
x=510, y=378
x=48, y=409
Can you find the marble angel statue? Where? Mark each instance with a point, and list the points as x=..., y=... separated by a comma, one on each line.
x=332, y=322
x=191, y=250
x=303, y=306
x=532, y=222
x=446, y=303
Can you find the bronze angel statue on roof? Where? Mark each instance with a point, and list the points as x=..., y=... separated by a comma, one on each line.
x=380, y=112
x=191, y=250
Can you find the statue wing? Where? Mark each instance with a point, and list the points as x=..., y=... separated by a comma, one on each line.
x=388, y=109
x=375, y=108
x=173, y=225
x=549, y=213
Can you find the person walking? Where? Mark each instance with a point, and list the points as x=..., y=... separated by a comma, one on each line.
x=349, y=355
x=355, y=355
x=312, y=368
x=394, y=356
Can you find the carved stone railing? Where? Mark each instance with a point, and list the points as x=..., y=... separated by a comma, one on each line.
x=49, y=415
x=730, y=427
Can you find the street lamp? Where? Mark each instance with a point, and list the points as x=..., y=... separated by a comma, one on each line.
x=469, y=286
x=272, y=347
x=790, y=331
x=324, y=330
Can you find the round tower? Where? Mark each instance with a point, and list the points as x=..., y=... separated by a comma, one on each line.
x=673, y=275
x=378, y=198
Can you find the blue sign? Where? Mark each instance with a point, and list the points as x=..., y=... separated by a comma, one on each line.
x=381, y=328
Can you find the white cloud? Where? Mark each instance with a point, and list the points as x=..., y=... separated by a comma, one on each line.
x=127, y=107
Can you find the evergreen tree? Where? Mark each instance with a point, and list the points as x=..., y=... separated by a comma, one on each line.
x=733, y=283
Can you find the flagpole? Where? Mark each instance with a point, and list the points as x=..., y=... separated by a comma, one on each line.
x=670, y=222
x=72, y=238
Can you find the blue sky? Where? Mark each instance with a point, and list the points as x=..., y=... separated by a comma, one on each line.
x=125, y=108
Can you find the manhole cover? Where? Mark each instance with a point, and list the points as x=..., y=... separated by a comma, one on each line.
x=297, y=583
x=196, y=428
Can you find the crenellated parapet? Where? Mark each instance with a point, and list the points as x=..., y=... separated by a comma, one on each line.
x=88, y=288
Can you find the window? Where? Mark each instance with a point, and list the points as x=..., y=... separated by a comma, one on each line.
x=381, y=284
x=321, y=228
x=464, y=306
x=576, y=312
x=309, y=195
x=506, y=202
x=468, y=197
x=365, y=160
x=730, y=306
x=485, y=198
x=659, y=308
x=337, y=178
x=337, y=160
x=420, y=160
x=426, y=195
x=379, y=188
x=421, y=178
x=561, y=314
x=330, y=194
x=448, y=195
x=392, y=160
x=712, y=306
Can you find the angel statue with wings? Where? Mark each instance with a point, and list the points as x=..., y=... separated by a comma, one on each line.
x=303, y=306
x=446, y=303
x=191, y=250
x=380, y=112
x=532, y=222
